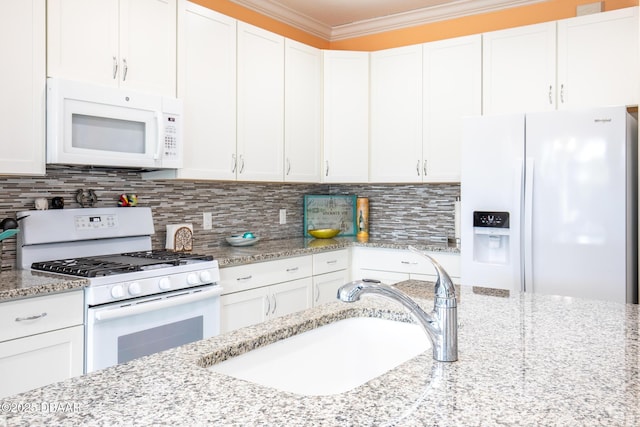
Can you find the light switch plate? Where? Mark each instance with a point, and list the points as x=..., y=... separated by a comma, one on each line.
x=207, y=221
x=283, y=216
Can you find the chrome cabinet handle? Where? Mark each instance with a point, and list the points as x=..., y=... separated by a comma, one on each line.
x=234, y=163
x=408, y=262
x=424, y=168
x=241, y=163
x=115, y=67
x=333, y=261
x=288, y=166
x=275, y=304
x=37, y=316
x=244, y=278
x=125, y=68
x=268, y=306
x=418, y=167
x=327, y=168
x=562, y=93
x=550, y=94
x=291, y=270
x=317, y=293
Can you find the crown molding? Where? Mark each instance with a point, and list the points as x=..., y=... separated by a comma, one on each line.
x=412, y=18
x=288, y=16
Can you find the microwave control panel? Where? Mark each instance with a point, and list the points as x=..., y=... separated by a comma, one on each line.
x=171, y=123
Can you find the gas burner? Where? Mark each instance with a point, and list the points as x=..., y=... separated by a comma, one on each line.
x=169, y=255
x=85, y=267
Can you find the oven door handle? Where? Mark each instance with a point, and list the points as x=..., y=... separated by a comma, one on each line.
x=117, y=313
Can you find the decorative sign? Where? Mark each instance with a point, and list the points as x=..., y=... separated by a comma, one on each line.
x=338, y=212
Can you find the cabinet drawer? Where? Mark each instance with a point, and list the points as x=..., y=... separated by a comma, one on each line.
x=250, y=276
x=326, y=262
x=40, y=314
x=397, y=260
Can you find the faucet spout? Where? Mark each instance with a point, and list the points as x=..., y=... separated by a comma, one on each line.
x=441, y=325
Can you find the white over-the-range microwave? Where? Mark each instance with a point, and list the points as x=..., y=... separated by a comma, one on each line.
x=96, y=125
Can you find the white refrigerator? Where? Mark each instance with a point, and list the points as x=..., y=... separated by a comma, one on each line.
x=549, y=203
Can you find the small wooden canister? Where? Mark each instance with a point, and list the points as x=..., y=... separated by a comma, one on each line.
x=362, y=213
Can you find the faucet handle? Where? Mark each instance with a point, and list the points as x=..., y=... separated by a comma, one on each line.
x=444, y=285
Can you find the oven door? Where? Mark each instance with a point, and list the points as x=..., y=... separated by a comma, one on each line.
x=123, y=331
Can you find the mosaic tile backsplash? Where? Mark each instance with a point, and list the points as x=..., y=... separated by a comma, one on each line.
x=423, y=211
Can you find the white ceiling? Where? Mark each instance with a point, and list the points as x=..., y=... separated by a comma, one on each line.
x=341, y=19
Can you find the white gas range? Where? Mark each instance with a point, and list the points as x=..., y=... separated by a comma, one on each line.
x=139, y=301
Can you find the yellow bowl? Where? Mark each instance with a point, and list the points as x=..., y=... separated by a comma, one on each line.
x=324, y=233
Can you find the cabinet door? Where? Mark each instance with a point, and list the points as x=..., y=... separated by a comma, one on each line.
x=290, y=297
x=519, y=69
x=148, y=45
x=302, y=112
x=346, y=116
x=260, y=104
x=598, y=59
x=207, y=85
x=243, y=309
x=82, y=40
x=396, y=115
x=22, y=85
x=39, y=360
x=452, y=89
x=325, y=286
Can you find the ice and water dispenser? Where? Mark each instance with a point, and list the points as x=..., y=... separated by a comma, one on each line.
x=491, y=237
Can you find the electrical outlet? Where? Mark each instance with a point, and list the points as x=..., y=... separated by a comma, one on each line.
x=283, y=216
x=207, y=221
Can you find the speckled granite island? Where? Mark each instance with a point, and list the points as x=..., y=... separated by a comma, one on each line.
x=523, y=360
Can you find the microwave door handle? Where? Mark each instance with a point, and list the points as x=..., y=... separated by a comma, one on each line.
x=160, y=141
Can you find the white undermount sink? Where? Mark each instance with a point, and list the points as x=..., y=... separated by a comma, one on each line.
x=330, y=359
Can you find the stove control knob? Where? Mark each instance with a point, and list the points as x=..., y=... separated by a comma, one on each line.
x=164, y=283
x=134, y=288
x=192, y=279
x=117, y=292
x=205, y=277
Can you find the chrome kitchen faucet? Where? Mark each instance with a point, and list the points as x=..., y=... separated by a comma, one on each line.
x=441, y=325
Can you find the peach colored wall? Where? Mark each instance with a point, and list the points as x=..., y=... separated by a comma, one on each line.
x=514, y=17
x=240, y=13
x=541, y=12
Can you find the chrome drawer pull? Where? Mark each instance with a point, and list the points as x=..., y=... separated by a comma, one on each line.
x=290, y=270
x=37, y=316
x=332, y=262
x=245, y=278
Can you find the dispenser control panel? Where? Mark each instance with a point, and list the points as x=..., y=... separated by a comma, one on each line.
x=491, y=219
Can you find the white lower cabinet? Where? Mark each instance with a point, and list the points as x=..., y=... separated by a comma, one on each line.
x=41, y=341
x=253, y=306
x=395, y=265
x=330, y=271
x=257, y=292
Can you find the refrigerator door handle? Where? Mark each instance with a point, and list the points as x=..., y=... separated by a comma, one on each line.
x=527, y=244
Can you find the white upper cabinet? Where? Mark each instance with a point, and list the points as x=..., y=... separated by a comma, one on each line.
x=598, y=59
x=302, y=91
x=519, y=69
x=127, y=43
x=22, y=87
x=396, y=115
x=346, y=116
x=207, y=86
x=452, y=89
x=260, y=104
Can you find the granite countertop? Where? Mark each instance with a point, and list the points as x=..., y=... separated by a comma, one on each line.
x=524, y=359
x=267, y=250
x=21, y=283
x=16, y=284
